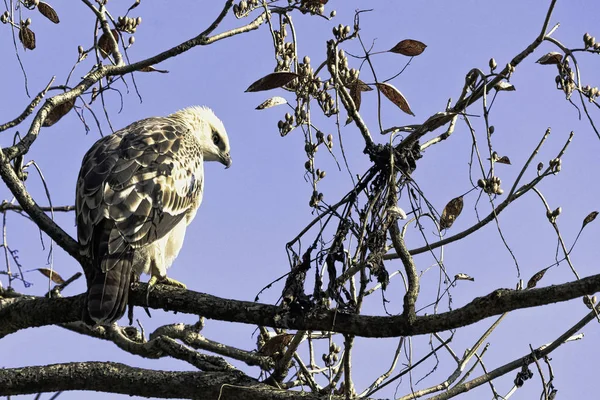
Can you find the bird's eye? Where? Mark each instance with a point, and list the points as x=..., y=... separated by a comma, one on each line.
x=216, y=139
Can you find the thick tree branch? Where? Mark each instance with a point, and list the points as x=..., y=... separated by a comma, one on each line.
x=25, y=312
x=121, y=378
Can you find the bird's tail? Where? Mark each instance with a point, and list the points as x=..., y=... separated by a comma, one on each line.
x=109, y=291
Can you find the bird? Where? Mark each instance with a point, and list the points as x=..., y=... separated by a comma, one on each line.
x=137, y=191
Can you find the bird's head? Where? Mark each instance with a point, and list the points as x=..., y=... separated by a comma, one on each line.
x=210, y=132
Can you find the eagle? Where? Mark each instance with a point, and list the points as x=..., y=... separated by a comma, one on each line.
x=137, y=191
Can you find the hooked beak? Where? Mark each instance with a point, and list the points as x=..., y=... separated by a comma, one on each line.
x=225, y=160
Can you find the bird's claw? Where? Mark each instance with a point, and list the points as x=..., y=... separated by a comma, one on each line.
x=173, y=282
x=165, y=281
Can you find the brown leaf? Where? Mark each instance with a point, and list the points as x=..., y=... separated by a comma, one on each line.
x=590, y=217
x=272, y=81
x=355, y=94
x=536, y=278
x=503, y=160
x=276, y=344
x=271, y=102
x=355, y=89
x=150, y=68
x=27, y=37
x=104, y=43
x=551, y=58
x=363, y=87
x=408, y=47
x=58, y=112
x=47, y=11
x=451, y=212
x=395, y=97
x=56, y=278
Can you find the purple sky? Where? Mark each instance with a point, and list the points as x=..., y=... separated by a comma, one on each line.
x=236, y=245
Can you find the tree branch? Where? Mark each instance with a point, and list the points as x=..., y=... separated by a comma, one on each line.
x=436, y=121
x=116, y=70
x=29, y=109
x=43, y=221
x=527, y=359
x=26, y=312
x=410, y=298
x=120, y=378
x=8, y=154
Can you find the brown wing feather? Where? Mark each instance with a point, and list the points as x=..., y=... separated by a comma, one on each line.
x=133, y=188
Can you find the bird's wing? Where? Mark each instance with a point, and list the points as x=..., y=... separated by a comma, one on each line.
x=135, y=186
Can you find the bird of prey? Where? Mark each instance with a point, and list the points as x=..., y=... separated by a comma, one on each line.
x=137, y=191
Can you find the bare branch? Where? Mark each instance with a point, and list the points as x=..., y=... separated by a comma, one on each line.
x=541, y=352
x=29, y=109
x=120, y=378
x=28, y=312
x=39, y=217
x=410, y=298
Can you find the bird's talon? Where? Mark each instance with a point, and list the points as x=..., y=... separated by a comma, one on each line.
x=173, y=282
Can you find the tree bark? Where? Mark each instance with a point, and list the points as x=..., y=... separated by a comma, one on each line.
x=110, y=377
x=27, y=312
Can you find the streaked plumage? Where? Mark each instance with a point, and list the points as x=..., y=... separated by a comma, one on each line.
x=137, y=191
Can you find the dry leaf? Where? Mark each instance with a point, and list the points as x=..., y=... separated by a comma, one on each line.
x=551, y=58
x=56, y=278
x=463, y=277
x=272, y=81
x=363, y=87
x=58, y=112
x=271, y=102
x=536, y=278
x=395, y=97
x=47, y=11
x=590, y=217
x=27, y=37
x=276, y=344
x=150, y=68
x=451, y=212
x=503, y=160
x=409, y=47
x=503, y=85
x=104, y=43
x=356, y=88
x=356, y=96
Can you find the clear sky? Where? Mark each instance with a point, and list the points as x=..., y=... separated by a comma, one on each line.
x=236, y=245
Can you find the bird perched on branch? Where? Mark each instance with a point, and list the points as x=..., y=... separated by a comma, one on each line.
x=137, y=191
